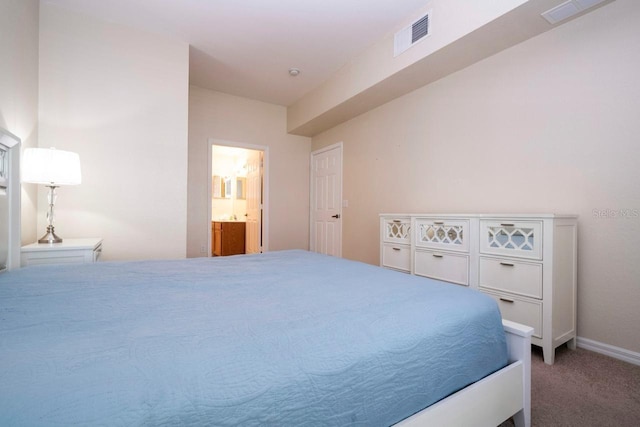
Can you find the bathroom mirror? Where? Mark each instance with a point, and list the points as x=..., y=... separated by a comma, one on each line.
x=217, y=187
x=226, y=188
x=222, y=188
x=241, y=188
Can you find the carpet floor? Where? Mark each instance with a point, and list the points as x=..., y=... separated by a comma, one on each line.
x=583, y=388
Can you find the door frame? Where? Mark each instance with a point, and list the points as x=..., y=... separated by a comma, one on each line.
x=264, y=232
x=312, y=191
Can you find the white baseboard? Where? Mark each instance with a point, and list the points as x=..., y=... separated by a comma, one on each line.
x=609, y=350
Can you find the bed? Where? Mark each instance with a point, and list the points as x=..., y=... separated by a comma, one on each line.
x=281, y=338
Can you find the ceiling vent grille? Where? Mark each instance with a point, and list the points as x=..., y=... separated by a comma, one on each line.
x=568, y=9
x=411, y=34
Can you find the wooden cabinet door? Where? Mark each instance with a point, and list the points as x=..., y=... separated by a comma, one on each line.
x=216, y=242
x=228, y=238
x=233, y=238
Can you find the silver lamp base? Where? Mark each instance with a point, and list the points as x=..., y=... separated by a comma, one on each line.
x=50, y=236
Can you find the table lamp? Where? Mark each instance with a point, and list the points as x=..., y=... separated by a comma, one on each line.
x=52, y=168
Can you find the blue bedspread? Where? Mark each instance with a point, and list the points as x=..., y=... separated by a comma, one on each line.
x=282, y=338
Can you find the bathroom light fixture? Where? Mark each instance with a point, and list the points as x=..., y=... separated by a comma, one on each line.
x=52, y=168
x=293, y=72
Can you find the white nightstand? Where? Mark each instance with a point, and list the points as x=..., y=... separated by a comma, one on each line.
x=69, y=251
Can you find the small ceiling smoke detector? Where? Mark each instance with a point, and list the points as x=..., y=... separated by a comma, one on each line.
x=293, y=72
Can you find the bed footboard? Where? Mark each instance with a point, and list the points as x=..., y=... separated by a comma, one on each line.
x=493, y=399
x=519, y=349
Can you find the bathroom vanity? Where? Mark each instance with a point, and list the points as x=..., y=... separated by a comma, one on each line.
x=227, y=238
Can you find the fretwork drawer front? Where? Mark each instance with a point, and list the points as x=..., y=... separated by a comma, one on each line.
x=397, y=257
x=445, y=234
x=396, y=230
x=522, y=239
x=515, y=277
x=520, y=310
x=449, y=267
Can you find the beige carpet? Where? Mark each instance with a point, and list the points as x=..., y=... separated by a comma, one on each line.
x=583, y=388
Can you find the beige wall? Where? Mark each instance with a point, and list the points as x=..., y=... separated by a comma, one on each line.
x=19, y=89
x=119, y=97
x=550, y=125
x=231, y=118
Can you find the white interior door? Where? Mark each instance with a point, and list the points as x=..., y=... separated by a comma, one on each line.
x=326, y=201
x=254, y=202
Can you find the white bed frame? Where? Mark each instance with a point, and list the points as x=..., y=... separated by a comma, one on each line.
x=488, y=402
x=495, y=398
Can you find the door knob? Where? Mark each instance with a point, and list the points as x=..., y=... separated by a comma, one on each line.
x=335, y=216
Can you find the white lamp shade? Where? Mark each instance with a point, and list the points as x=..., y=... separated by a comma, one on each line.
x=51, y=167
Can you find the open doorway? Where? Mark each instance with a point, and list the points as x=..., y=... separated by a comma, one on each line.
x=238, y=197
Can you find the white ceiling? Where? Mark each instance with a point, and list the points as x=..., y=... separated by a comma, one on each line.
x=245, y=47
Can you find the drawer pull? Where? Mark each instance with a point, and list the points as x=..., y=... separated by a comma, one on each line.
x=396, y=249
x=507, y=264
x=437, y=255
x=396, y=220
x=507, y=225
x=438, y=222
x=510, y=301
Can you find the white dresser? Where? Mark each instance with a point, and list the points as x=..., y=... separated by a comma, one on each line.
x=527, y=263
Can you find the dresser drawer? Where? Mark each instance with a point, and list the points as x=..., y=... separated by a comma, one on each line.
x=445, y=234
x=522, y=239
x=511, y=276
x=396, y=230
x=397, y=257
x=520, y=310
x=449, y=267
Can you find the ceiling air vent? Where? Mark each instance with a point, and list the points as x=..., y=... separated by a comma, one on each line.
x=410, y=35
x=568, y=9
